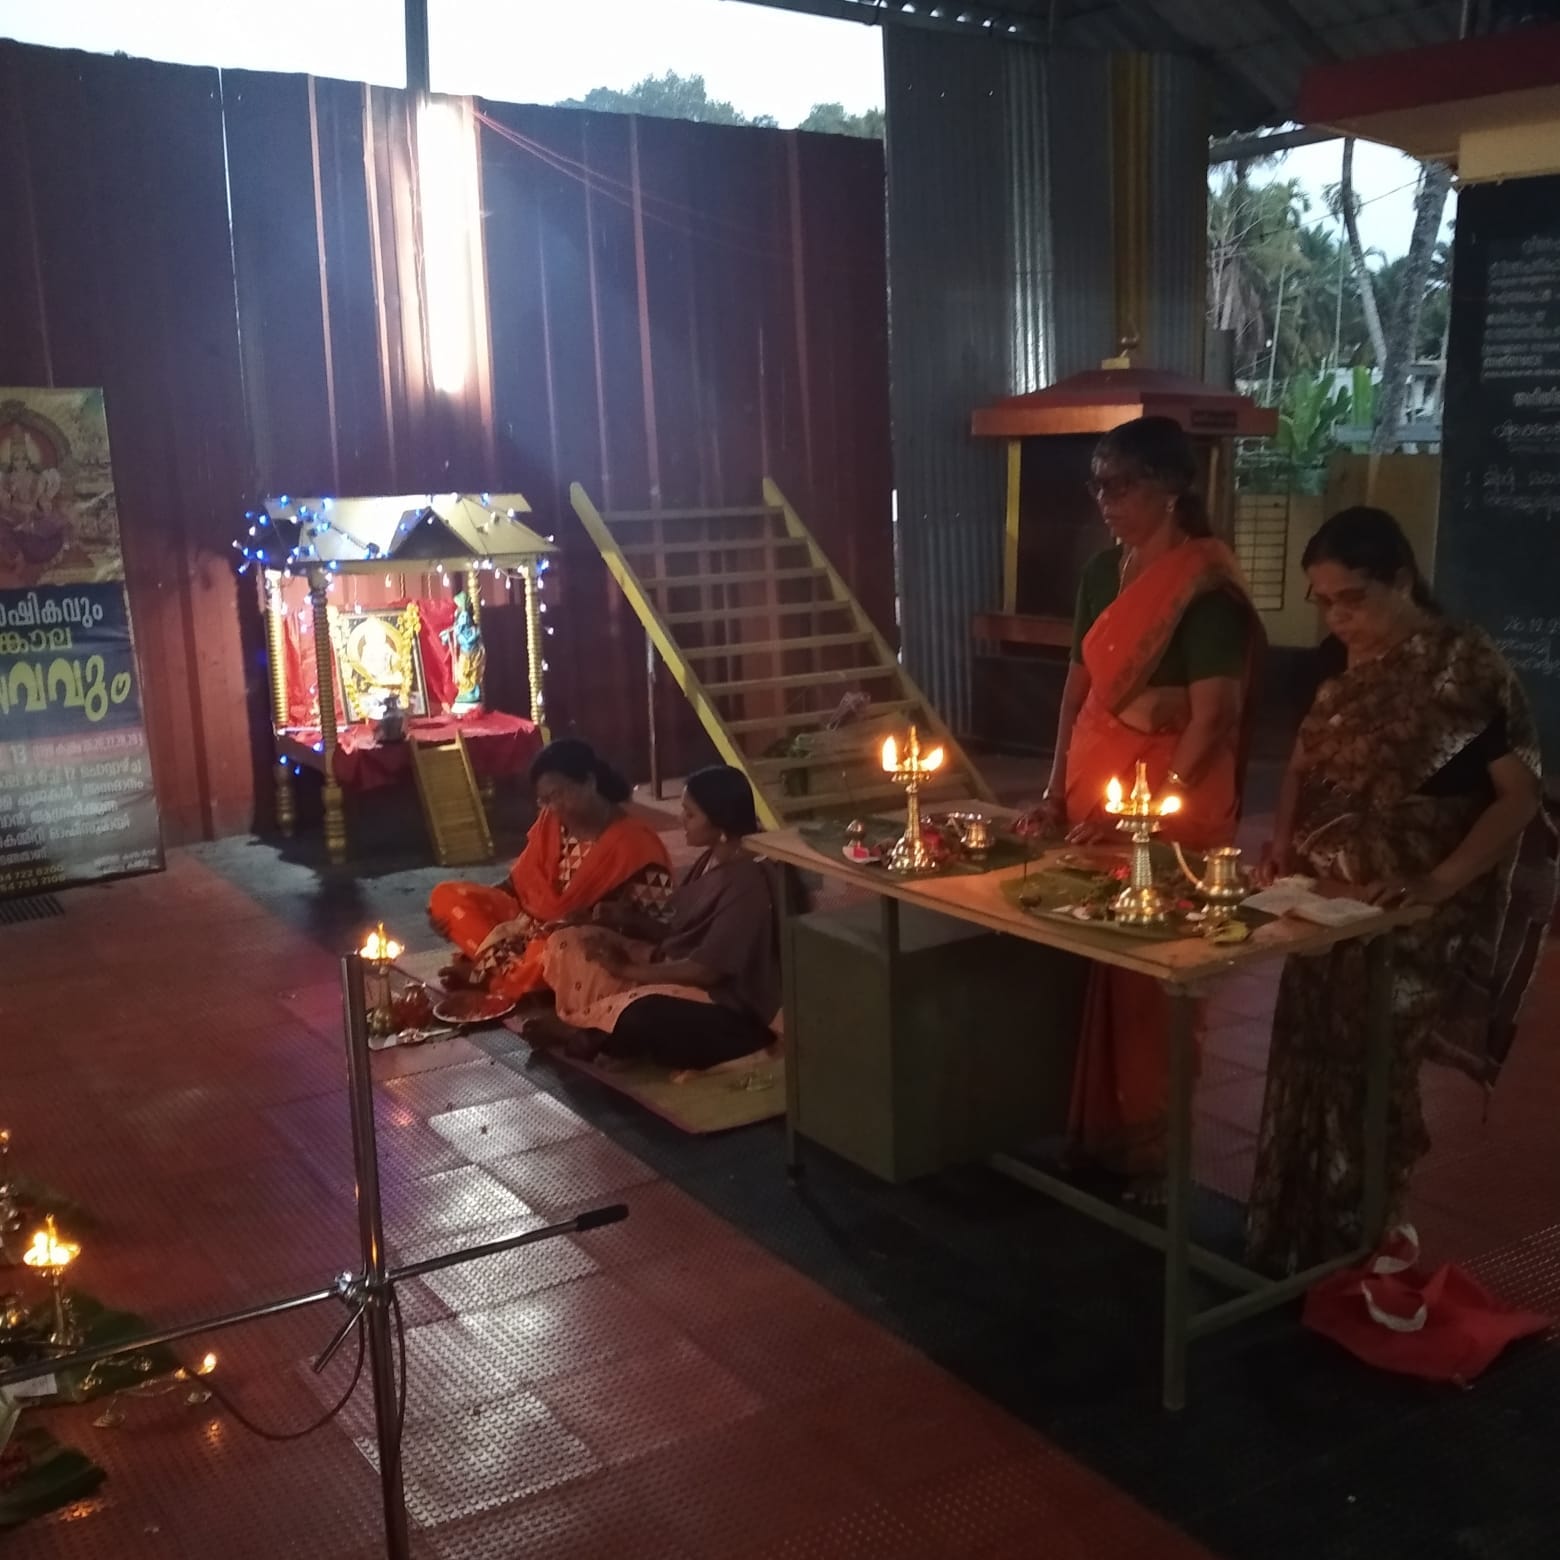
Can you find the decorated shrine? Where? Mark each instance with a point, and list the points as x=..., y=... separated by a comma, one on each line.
x=378, y=666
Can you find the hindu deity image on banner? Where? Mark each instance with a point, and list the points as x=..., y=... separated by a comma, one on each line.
x=76, y=796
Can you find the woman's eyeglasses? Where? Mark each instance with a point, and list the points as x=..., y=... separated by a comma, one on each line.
x=1102, y=488
x=1349, y=599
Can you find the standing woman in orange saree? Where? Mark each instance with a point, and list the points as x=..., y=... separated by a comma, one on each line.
x=1165, y=642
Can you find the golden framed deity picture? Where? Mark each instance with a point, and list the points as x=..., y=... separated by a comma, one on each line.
x=378, y=654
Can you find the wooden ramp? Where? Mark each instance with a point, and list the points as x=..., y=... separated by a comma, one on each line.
x=788, y=675
x=451, y=803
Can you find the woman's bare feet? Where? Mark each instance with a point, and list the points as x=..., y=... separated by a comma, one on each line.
x=547, y=1032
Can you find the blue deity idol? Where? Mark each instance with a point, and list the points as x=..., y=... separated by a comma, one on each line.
x=464, y=638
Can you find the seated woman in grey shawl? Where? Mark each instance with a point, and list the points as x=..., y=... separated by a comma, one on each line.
x=698, y=992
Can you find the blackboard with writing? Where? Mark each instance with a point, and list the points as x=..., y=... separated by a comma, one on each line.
x=1498, y=549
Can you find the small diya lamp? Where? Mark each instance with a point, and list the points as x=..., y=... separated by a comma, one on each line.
x=51, y=1256
x=379, y=952
x=911, y=768
x=1138, y=816
x=197, y=1394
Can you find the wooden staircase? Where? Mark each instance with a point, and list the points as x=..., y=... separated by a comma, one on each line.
x=451, y=803
x=784, y=669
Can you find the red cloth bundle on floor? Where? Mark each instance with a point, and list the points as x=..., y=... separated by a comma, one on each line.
x=1440, y=1326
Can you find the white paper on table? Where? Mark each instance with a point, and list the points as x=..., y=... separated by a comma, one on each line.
x=1280, y=899
x=1335, y=912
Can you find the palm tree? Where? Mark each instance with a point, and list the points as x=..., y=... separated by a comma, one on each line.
x=1255, y=263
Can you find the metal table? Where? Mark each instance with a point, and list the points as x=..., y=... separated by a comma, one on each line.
x=1187, y=969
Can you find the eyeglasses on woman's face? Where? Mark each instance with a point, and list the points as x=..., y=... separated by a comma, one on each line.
x=1112, y=488
x=1344, y=598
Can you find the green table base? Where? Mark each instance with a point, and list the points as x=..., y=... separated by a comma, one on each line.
x=828, y=837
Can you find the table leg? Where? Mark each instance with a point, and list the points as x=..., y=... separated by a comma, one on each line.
x=792, y=1046
x=888, y=906
x=1178, y=1204
x=1378, y=1066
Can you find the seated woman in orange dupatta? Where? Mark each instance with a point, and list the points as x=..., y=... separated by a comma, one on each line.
x=700, y=993
x=583, y=852
x=1165, y=642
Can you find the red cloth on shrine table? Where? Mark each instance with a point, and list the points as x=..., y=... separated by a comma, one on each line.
x=499, y=745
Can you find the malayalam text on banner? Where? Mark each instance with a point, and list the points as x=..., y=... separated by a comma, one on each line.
x=76, y=795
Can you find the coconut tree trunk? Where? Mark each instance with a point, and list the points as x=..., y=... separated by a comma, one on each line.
x=1429, y=203
x=1351, y=226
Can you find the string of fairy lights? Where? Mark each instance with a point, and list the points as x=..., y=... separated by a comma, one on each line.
x=283, y=537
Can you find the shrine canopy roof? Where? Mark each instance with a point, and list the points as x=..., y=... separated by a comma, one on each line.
x=422, y=531
x=1102, y=398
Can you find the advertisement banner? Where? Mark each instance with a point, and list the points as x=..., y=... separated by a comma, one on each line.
x=76, y=796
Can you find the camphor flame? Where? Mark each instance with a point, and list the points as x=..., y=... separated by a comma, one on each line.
x=49, y=1252
x=379, y=947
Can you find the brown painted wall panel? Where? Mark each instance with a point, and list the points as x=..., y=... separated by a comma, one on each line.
x=675, y=311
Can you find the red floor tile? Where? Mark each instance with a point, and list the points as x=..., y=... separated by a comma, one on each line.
x=457, y=1467
x=579, y=1522
x=626, y=1408
x=502, y=1128
x=560, y=1178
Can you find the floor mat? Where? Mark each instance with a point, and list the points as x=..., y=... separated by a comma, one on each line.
x=694, y=1103
x=714, y=1102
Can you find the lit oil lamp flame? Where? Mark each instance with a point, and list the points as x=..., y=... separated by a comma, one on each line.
x=207, y=1365
x=1113, y=795
x=913, y=761
x=49, y=1252
x=379, y=947
x=1170, y=805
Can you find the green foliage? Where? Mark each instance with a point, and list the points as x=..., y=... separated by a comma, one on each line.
x=1310, y=412
x=667, y=97
x=836, y=119
x=1271, y=263
x=687, y=97
x=1362, y=398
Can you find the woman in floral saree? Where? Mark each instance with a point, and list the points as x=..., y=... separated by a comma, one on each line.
x=1415, y=778
x=1164, y=646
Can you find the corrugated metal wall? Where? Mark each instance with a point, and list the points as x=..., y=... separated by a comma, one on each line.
x=1178, y=215
x=676, y=310
x=954, y=129
x=1084, y=324
x=1000, y=281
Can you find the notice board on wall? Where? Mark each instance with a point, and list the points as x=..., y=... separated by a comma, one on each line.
x=76, y=794
x=1498, y=549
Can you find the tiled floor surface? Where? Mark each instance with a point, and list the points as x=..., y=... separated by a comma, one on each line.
x=172, y=1060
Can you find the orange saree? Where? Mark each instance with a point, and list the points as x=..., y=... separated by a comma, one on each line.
x=1121, y=1082
x=541, y=893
